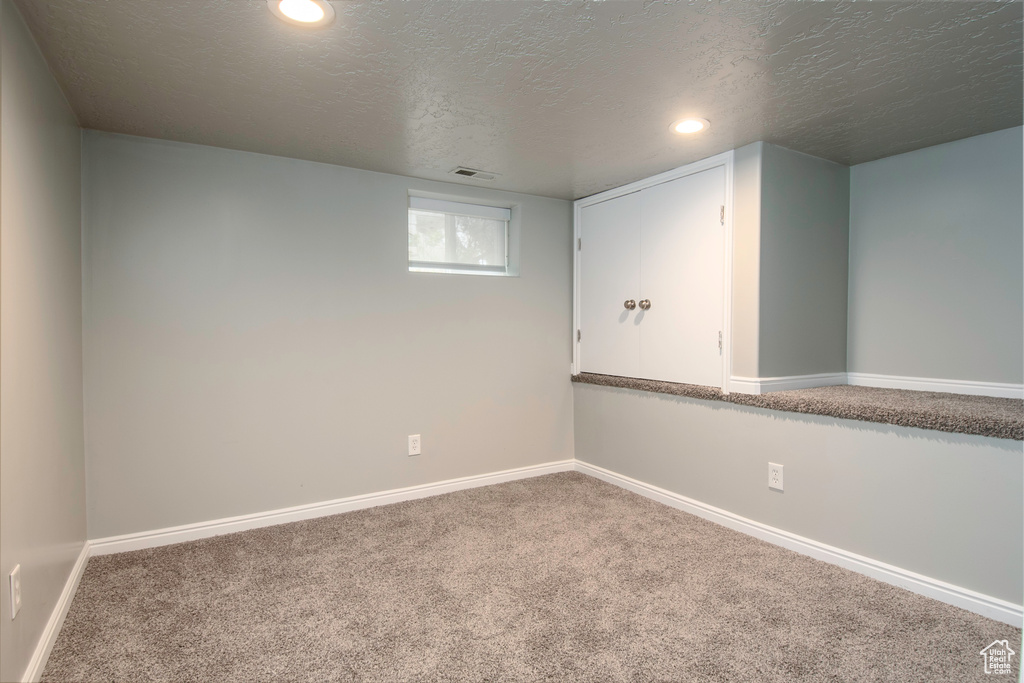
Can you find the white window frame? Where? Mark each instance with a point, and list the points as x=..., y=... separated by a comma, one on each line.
x=453, y=208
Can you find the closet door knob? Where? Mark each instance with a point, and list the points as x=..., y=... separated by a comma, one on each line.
x=645, y=304
x=629, y=304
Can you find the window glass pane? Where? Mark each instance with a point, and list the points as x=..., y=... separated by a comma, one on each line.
x=479, y=241
x=452, y=239
x=426, y=236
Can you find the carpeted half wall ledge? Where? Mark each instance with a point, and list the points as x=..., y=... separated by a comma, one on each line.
x=1001, y=418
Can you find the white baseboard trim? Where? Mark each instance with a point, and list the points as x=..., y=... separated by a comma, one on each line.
x=34, y=671
x=744, y=385
x=762, y=385
x=953, y=386
x=230, y=525
x=985, y=605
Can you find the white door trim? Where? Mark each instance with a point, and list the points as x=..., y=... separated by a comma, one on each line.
x=727, y=270
x=726, y=160
x=577, y=212
x=676, y=173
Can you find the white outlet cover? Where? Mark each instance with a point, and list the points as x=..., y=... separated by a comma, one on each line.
x=775, y=476
x=415, y=445
x=15, y=590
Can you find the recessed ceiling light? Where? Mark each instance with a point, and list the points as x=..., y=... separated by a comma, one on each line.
x=691, y=125
x=303, y=12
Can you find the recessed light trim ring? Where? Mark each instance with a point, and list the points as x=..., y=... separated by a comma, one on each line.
x=307, y=13
x=691, y=125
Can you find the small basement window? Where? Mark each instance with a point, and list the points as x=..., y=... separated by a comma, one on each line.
x=453, y=237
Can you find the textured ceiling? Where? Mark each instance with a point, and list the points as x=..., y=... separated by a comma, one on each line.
x=561, y=98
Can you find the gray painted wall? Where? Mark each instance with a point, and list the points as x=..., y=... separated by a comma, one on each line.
x=255, y=341
x=948, y=506
x=805, y=209
x=42, y=469
x=936, y=275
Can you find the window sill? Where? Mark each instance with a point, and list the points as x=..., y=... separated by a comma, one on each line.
x=458, y=271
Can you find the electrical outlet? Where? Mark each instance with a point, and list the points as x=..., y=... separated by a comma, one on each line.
x=774, y=476
x=414, y=444
x=15, y=590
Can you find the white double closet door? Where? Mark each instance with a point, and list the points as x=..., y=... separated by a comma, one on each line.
x=664, y=244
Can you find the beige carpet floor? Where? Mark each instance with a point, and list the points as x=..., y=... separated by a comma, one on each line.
x=558, y=578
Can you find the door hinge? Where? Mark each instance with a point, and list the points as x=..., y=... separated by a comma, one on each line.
x=722, y=214
x=719, y=341
x=578, y=335
x=579, y=244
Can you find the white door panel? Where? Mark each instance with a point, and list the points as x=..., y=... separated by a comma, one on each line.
x=682, y=272
x=609, y=275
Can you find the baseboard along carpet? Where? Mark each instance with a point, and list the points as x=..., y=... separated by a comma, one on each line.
x=557, y=578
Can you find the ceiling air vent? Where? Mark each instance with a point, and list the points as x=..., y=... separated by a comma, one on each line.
x=473, y=173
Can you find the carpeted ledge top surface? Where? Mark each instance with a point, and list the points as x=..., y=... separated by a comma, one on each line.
x=1002, y=418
